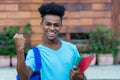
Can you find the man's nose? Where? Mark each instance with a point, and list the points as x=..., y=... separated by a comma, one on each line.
x=52, y=27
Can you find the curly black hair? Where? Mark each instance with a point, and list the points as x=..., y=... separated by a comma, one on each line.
x=52, y=8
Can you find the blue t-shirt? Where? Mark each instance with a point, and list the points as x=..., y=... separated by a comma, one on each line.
x=56, y=64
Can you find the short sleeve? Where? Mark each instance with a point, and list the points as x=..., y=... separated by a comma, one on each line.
x=76, y=55
x=30, y=60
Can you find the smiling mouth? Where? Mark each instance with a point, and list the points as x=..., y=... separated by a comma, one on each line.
x=51, y=33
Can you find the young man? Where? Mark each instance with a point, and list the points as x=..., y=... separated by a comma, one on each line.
x=58, y=57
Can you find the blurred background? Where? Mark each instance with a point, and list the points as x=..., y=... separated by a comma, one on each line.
x=92, y=25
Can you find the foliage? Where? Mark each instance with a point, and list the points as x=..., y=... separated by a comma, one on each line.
x=7, y=46
x=103, y=40
x=27, y=29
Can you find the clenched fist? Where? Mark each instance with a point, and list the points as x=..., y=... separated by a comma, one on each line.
x=19, y=41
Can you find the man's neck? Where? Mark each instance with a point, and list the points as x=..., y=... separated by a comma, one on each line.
x=53, y=44
x=50, y=42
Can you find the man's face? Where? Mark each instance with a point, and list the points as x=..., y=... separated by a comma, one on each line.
x=51, y=26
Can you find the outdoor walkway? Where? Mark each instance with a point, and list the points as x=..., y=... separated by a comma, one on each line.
x=111, y=72
x=93, y=73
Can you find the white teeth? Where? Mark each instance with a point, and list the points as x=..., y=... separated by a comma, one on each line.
x=51, y=33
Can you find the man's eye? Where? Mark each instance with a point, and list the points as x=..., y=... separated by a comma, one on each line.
x=48, y=24
x=57, y=25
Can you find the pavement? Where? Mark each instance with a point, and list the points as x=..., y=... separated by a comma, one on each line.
x=7, y=73
x=109, y=72
x=103, y=72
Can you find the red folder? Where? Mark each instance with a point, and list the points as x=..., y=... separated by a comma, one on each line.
x=84, y=63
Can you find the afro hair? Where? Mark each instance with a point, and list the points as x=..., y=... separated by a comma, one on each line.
x=52, y=8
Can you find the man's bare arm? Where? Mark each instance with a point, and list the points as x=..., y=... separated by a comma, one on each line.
x=23, y=71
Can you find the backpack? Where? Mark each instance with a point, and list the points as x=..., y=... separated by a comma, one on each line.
x=36, y=73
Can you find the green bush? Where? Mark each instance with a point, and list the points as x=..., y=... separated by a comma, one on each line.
x=7, y=45
x=104, y=40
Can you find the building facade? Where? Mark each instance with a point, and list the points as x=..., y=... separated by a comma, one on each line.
x=80, y=16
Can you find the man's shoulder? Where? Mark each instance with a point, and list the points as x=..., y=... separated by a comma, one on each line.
x=37, y=46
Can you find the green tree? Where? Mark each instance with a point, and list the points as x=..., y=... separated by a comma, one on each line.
x=7, y=42
x=7, y=45
x=104, y=40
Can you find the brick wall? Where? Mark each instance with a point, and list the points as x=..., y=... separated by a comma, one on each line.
x=81, y=15
x=20, y=12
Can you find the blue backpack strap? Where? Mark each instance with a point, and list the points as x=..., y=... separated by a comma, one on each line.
x=37, y=58
x=37, y=63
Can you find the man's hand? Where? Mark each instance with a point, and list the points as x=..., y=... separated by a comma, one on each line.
x=19, y=41
x=75, y=74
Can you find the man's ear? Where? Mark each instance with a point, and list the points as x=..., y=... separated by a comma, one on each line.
x=41, y=24
x=61, y=26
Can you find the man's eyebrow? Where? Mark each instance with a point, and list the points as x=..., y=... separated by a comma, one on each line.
x=53, y=23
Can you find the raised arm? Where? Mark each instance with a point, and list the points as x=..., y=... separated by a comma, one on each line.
x=23, y=70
